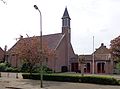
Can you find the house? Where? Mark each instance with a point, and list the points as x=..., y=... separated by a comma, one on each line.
x=60, y=42
x=101, y=59
x=1, y=54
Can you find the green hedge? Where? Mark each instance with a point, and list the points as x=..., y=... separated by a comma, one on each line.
x=68, y=78
x=11, y=69
x=5, y=67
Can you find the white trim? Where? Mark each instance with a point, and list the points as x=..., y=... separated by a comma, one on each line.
x=59, y=41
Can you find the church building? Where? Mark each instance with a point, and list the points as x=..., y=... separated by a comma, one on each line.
x=60, y=42
x=66, y=59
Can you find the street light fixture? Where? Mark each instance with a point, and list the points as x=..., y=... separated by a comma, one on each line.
x=41, y=59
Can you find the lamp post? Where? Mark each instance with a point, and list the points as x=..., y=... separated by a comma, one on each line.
x=17, y=65
x=41, y=59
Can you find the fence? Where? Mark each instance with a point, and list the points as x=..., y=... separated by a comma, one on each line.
x=11, y=75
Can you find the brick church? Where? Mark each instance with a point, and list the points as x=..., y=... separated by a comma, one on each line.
x=60, y=42
x=66, y=59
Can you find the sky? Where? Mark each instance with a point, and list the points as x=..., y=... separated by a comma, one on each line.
x=98, y=18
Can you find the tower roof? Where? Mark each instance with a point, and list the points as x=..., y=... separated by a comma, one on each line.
x=66, y=14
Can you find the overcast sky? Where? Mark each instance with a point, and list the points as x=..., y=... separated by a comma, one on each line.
x=98, y=18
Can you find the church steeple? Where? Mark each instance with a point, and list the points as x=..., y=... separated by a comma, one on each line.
x=67, y=35
x=66, y=19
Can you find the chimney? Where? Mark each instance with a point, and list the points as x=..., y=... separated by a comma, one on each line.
x=21, y=36
x=102, y=44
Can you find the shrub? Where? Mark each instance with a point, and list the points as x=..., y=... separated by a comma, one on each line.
x=36, y=69
x=66, y=78
x=25, y=67
x=117, y=71
x=2, y=66
x=5, y=67
x=11, y=69
x=99, y=80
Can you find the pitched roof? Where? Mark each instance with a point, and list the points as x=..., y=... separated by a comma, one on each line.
x=66, y=14
x=102, y=50
x=96, y=57
x=1, y=53
x=51, y=40
x=102, y=53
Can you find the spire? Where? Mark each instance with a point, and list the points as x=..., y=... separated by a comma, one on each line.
x=66, y=24
x=66, y=19
x=66, y=14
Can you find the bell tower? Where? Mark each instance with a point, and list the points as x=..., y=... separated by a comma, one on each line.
x=66, y=19
x=66, y=23
x=66, y=30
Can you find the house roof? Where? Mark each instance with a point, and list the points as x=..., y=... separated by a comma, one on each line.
x=102, y=53
x=102, y=50
x=52, y=41
x=1, y=53
x=96, y=57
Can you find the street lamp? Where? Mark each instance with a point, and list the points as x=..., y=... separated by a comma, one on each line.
x=41, y=68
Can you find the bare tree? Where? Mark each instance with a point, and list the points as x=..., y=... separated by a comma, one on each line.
x=3, y=1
